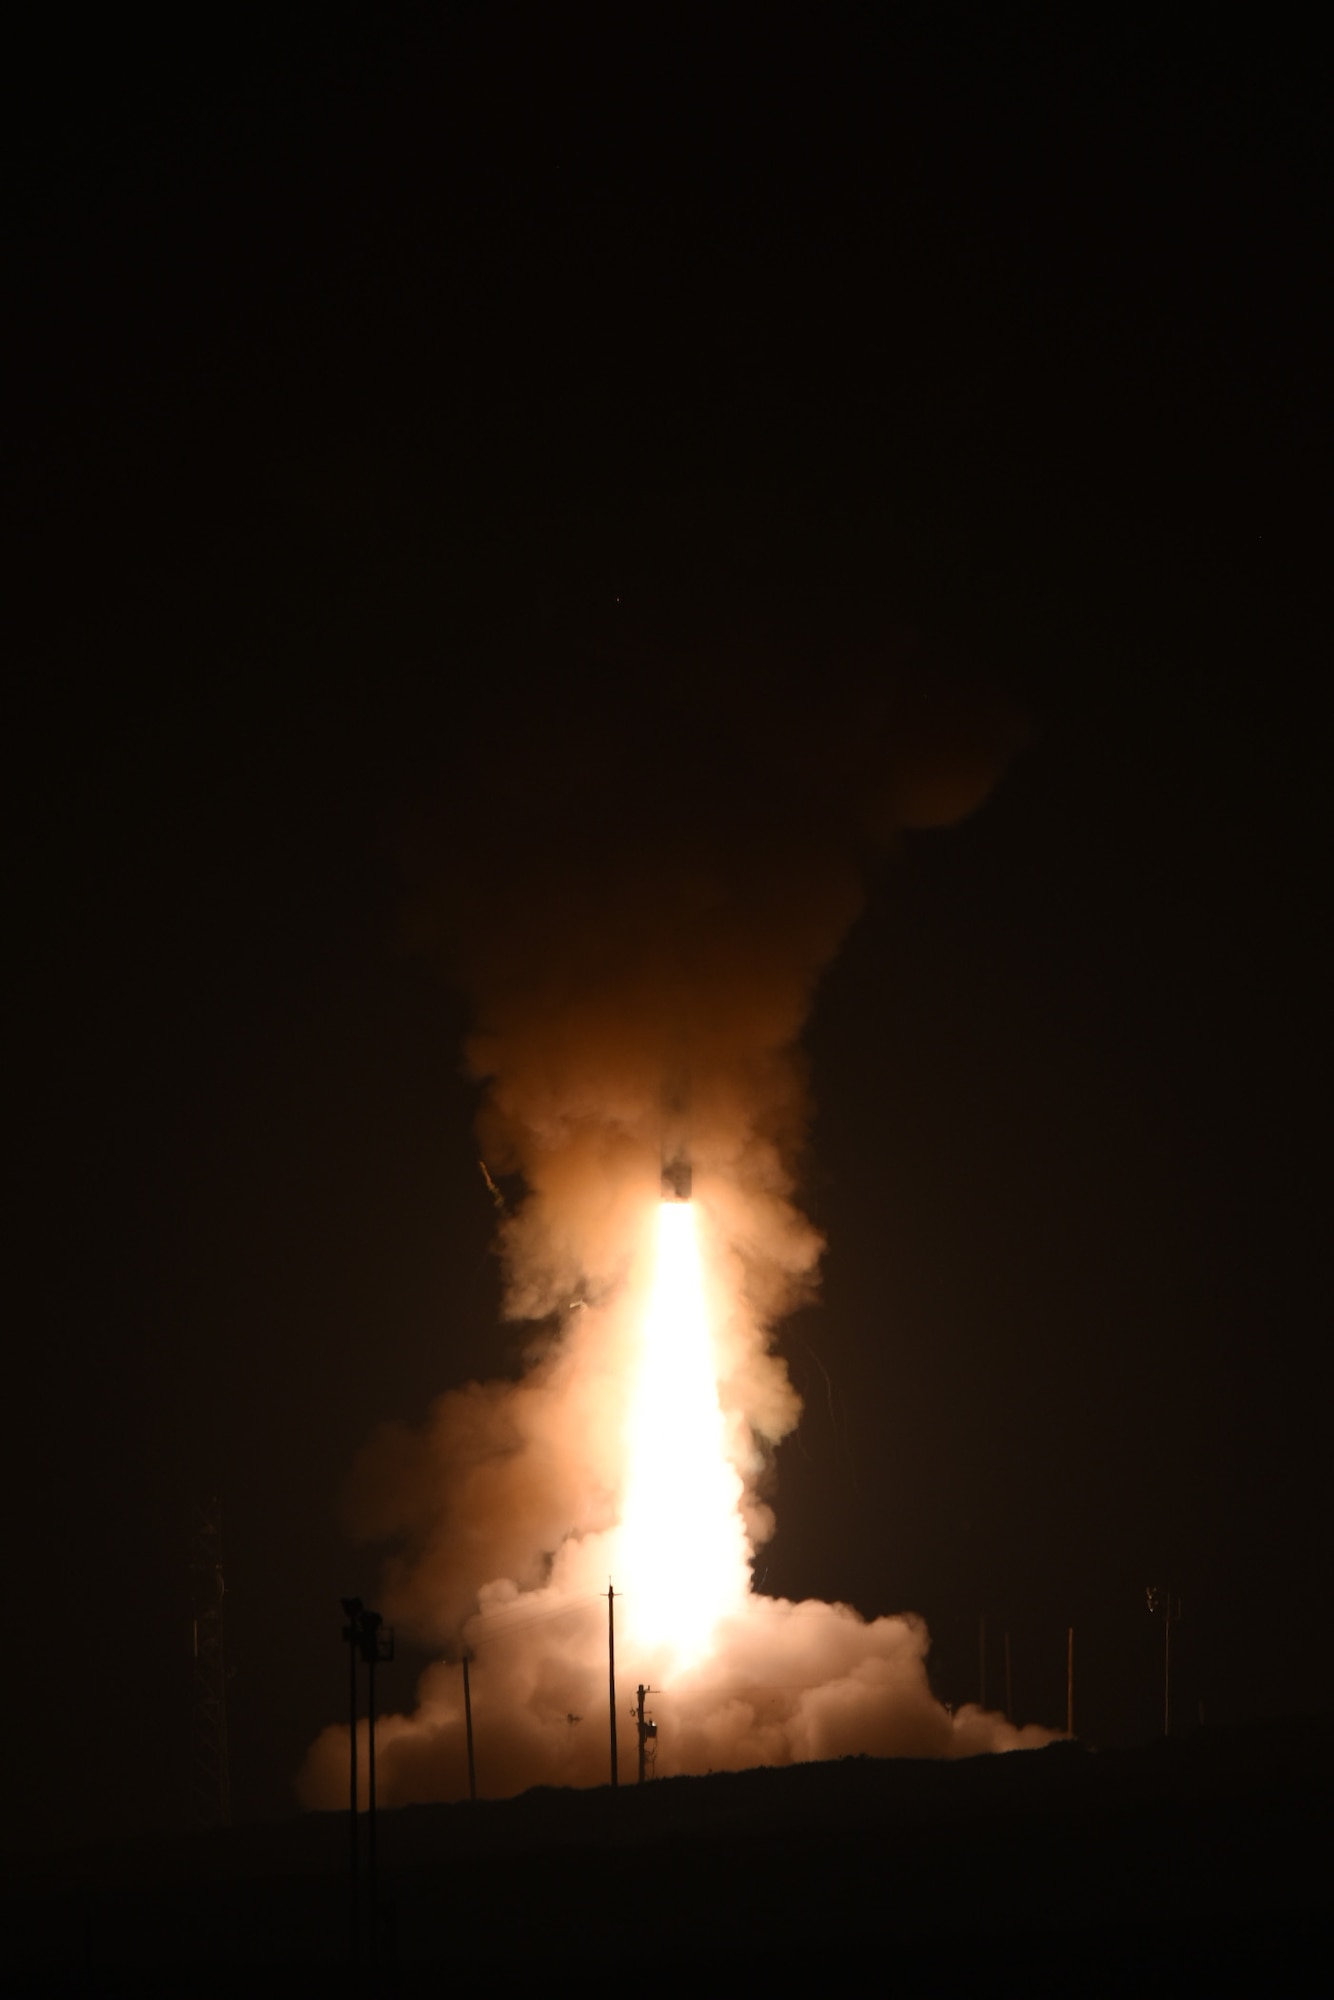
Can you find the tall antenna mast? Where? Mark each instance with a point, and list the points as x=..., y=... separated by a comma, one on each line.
x=210, y=1781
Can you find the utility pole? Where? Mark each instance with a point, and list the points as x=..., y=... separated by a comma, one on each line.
x=1161, y=1606
x=611, y=1674
x=467, y=1718
x=377, y=1644
x=210, y=1779
x=353, y=1607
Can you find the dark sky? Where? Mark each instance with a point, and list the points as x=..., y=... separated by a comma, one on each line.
x=362, y=373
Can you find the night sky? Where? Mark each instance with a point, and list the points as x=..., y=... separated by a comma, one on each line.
x=394, y=394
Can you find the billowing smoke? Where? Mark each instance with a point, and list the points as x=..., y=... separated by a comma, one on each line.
x=650, y=884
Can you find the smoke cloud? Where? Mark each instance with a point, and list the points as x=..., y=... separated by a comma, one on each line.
x=653, y=875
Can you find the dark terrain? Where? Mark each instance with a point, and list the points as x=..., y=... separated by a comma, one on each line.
x=1091, y=1870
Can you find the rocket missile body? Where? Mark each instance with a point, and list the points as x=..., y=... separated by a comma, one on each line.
x=677, y=1174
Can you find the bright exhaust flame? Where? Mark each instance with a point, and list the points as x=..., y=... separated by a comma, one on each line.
x=624, y=989
x=645, y=1411
x=683, y=1542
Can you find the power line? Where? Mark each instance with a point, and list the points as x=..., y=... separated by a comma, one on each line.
x=764, y=1687
x=535, y=1618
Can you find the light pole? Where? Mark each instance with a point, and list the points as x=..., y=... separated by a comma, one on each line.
x=377, y=1645
x=467, y=1723
x=611, y=1675
x=365, y=1633
x=353, y=1609
x=1161, y=1605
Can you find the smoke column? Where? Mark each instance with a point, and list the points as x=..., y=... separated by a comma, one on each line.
x=641, y=916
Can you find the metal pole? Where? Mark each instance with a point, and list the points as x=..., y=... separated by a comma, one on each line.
x=640, y=1718
x=467, y=1717
x=352, y=1716
x=210, y=1785
x=1167, y=1667
x=1070, y=1681
x=611, y=1674
x=371, y=1870
x=352, y=1633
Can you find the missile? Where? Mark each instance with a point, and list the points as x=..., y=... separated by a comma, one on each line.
x=677, y=1176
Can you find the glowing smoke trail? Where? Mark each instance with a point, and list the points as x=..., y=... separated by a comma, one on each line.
x=638, y=1441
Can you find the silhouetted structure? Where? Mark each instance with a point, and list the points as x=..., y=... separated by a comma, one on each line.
x=353, y=1608
x=210, y=1780
x=611, y=1676
x=367, y=1635
x=467, y=1719
x=377, y=1647
x=648, y=1733
x=1163, y=1605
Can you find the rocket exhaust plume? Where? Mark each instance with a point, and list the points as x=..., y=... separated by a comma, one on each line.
x=639, y=1003
x=682, y=1540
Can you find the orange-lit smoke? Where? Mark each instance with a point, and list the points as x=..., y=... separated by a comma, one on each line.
x=638, y=1442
